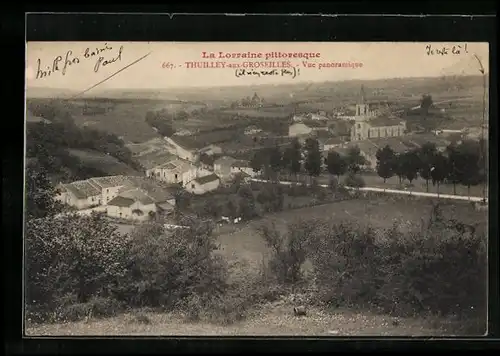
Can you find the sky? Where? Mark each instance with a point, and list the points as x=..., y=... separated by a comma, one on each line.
x=165, y=65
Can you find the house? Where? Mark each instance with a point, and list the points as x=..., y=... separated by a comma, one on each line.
x=210, y=150
x=109, y=186
x=203, y=184
x=368, y=151
x=332, y=142
x=80, y=194
x=222, y=167
x=183, y=148
x=306, y=128
x=132, y=204
x=242, y=167
x=178, y=171
x=149, y=161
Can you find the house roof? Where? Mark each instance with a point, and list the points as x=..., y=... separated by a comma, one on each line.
x=110, y=181
x=82, y=189
x=137, y=194
x=152, y=189
x=206, y=179
x=121, y=201
x=384, y=121
x=165, y=206
x=341, y=151
x=155, y=159
x=177, y=166
x=241, y=163
x=314, y=124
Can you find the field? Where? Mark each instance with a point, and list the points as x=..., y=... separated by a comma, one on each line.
x=103, y=162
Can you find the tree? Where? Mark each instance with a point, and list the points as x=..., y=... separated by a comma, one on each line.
x=398, y=167
x=73, y=254
x=454, y=173
x=469, y=160
x=40, y=194
x=425, y=104
x=313, y=160
x=275, y=162
x=336, y=164
x=256, y=163
x=439, y=170
x=426, y=154
x=385, y=160
x=354, y=160
x=410, y=165
x=292, y=158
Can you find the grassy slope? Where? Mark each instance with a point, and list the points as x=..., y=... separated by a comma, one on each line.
x=105, y=163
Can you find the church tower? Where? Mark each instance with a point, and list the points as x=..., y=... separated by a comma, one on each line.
x=362, y=109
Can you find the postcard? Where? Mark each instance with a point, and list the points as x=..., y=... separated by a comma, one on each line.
x=256, y=188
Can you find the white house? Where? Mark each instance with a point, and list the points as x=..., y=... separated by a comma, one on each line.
x=298, y=129
x=222, y=167
x=133, y=204
x=203, y=185
x=80, y=194
x=332, y=143
x=109, y=186
x=181, y=148
x=242, y=167
x=178, y=171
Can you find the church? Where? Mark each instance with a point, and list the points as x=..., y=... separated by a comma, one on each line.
x=369, y=124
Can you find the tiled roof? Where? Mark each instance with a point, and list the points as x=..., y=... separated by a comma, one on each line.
x=121, y=201
x=137, y=194
x=82, y=189
x=110, y=181
x=206, y=179
x=155, y=159
x=152, y=189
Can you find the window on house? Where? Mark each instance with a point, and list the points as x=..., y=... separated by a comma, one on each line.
x=359, y=126
x=176, y=176
x=107, y=190
x=192, y=186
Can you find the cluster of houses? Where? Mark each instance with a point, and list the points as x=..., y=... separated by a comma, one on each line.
x=123, y=197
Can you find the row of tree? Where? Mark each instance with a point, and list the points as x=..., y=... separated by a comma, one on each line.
x=306, y=158
x=462, y=163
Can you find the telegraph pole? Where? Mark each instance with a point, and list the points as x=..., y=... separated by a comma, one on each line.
x=483, y=128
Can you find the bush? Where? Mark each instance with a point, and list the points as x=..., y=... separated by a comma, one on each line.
x=166, y=267
x=288, y=250
x=438, y=269
x=75, y=255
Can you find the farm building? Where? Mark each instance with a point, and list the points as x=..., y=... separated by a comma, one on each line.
x=203, y=184
x=306, y=128
x=154, y=159
x=178, y=171
x=80, y=194
x=222, y=167
x=102, y=191
x=132, y=204
x=242, y=167
x=332, y=142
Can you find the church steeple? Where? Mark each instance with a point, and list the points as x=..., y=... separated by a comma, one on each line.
x=362, y=95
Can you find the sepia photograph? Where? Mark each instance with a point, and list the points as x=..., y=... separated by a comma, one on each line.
x=256, y=189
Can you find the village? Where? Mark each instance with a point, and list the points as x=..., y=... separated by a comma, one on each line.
x=198, y=166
